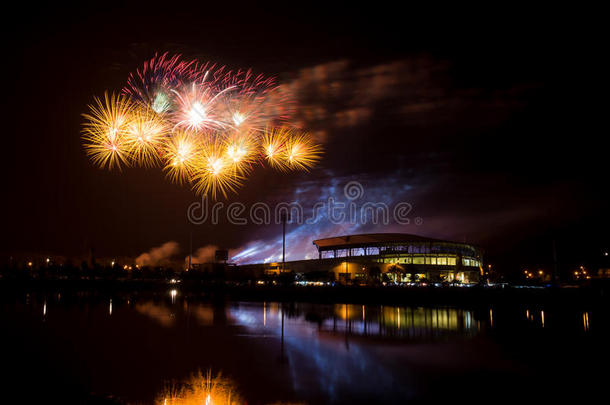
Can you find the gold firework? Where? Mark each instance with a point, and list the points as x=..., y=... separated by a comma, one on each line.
x=180, y=155
x=285, y=149
x=214, y=170
x=104, y=131
x=301, y=152
x=205, y=125
x=246, y=114
x=240, y=151
x=200, y=389
x=145, y=135
x=273, y=143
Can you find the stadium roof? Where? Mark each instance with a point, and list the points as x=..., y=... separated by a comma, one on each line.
x=372, y=239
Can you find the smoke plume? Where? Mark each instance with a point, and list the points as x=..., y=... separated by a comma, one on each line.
x=159, y=255
x=204, y=254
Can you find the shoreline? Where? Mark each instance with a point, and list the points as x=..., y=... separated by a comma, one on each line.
x=594, y=295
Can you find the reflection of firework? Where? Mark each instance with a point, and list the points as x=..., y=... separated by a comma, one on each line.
x=201, y=389
x=208, y=126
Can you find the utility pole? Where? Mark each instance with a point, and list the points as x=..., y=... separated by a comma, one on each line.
x=555, y=269
x=284, y=217
x=190, y=250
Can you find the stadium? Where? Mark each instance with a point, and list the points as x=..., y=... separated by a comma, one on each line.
x=395, y=257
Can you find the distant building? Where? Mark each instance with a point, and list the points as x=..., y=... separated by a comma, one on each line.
x=401, y=257
x=603, y=273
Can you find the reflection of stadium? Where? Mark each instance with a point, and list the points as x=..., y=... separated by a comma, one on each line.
x=397, y=322
x=395, y=256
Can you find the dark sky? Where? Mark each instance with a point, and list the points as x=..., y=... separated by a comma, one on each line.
x=485, y=118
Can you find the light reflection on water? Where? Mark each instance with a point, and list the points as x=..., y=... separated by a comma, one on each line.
x=328, y=342
x=200, y=389
x=358, y=320
x=333, y=342
x=308, y=352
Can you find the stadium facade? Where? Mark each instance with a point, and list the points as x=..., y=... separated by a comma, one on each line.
x=401, y=257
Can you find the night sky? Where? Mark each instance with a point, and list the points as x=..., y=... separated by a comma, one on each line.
x=483, y=120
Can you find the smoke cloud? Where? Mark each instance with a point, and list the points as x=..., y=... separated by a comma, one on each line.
x=159, y=255
x=204, y=254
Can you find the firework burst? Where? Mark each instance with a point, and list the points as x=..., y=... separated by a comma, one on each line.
x=151, y=84
x=206, y=126
x=251, y=108
x=105, y=131
x=145, y=136
x=180, y=155
x=274, y=147
x=241, y=151
x=301, y=153
x=199, y=108
x=215, y=171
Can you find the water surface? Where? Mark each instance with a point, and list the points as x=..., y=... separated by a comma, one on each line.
x=129, y=348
